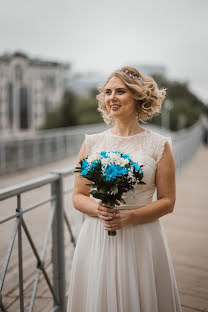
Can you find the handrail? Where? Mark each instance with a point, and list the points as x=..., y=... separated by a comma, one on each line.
x=32, y=184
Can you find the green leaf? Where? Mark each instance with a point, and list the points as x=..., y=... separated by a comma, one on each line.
x=114, y=189
x=122, y=200
x=93, y=187
x=95, y=193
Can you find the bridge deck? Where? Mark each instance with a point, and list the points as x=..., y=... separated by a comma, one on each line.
x=186, y=229
x=187, y=232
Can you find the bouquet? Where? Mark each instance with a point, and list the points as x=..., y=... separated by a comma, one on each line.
x=111, y=174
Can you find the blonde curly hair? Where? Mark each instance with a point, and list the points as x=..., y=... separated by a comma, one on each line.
x=147, y=95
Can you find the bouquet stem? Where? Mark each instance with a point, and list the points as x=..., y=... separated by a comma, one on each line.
x=111, y=233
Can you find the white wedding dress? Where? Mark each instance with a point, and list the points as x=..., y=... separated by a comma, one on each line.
x=132, y=271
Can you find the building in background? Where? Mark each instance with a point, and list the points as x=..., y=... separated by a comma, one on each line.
x=29, y=88
x=151, y=69
x=82, y=83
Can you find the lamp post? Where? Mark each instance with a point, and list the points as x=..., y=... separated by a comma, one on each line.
x=165, y=121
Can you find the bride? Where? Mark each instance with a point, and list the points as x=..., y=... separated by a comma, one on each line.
x=132, y=271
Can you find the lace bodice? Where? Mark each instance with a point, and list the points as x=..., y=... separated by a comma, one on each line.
x=146, y=148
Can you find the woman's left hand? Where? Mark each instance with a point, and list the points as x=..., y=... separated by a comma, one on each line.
x=122, y=219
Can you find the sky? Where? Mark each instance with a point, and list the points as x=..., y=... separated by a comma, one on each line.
x=102, y=36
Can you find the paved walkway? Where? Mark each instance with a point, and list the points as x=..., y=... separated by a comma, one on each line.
x=186, y=229
x=187, y=232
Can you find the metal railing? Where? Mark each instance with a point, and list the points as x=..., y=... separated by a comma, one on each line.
x=185, y=145
x=55, y=226
x=42, y=147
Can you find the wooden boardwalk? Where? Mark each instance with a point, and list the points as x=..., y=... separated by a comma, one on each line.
x=187, y=232
x=186, y=229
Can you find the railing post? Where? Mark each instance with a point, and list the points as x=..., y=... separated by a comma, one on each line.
x=58, y=255
x=20, y=154
x=21, y=288
x=35, y=152
x=2, y=157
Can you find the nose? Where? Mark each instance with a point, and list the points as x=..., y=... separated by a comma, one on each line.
x=113, y=96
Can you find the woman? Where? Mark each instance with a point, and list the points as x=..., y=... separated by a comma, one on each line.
x=132, y=271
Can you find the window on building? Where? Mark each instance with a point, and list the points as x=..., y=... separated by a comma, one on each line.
x=49, y=81
x=18, y=72
x=10, y=104
x=23, y=111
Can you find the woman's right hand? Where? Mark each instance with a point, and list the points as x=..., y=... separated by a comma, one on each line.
x=106, y=212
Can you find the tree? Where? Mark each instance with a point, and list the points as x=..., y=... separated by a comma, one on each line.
x=184, y=103
x=63, y=116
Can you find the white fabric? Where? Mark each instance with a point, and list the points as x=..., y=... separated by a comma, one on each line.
x=132, y=271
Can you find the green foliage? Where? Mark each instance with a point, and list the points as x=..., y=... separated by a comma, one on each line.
x=63, y=116
x=185, y=103
x=86, y=109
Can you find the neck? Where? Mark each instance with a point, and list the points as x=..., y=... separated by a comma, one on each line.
x=127, y=127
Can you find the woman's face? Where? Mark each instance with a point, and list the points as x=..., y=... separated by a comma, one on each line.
x=119, y=100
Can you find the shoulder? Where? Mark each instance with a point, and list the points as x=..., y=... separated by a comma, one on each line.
x=92, y=140
x=95, y=136
x=160, y=139
x=160, y=143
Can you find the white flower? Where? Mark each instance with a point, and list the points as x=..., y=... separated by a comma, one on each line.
x=117, y=159
x=131, y=176
x=121, y=161
x=93, y=157
x=104, y=161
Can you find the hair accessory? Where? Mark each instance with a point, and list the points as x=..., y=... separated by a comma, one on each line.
x=131, y=74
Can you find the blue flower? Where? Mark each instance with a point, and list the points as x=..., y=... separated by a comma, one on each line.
x=103, y=154
x=84, y=164
x=94, y=163
x=136, y=166
x=113, y=171
x=84, y=172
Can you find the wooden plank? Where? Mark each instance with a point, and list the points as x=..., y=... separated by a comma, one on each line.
x=187, y=232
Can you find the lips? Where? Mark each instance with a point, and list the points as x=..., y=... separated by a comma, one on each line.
x=115, y=106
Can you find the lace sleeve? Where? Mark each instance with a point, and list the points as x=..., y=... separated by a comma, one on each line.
x=88, y=143
x=161, y=145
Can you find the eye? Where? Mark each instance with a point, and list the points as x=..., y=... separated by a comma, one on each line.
x=107, y=91
x=121, y=91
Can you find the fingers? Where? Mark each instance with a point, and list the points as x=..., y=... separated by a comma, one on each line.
x=107, y=216
x=111, y=227
x=106, y=208
x=106, y=213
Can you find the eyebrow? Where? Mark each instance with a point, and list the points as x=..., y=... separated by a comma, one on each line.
x=117, y=89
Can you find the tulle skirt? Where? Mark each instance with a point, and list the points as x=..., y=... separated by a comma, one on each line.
x=129, y=272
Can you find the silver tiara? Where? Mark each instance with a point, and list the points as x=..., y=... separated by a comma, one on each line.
x=131, y=74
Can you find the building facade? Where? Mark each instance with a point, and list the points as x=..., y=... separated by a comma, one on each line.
x=29, y=88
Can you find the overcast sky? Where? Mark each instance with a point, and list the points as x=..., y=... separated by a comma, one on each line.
x=104, y=35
